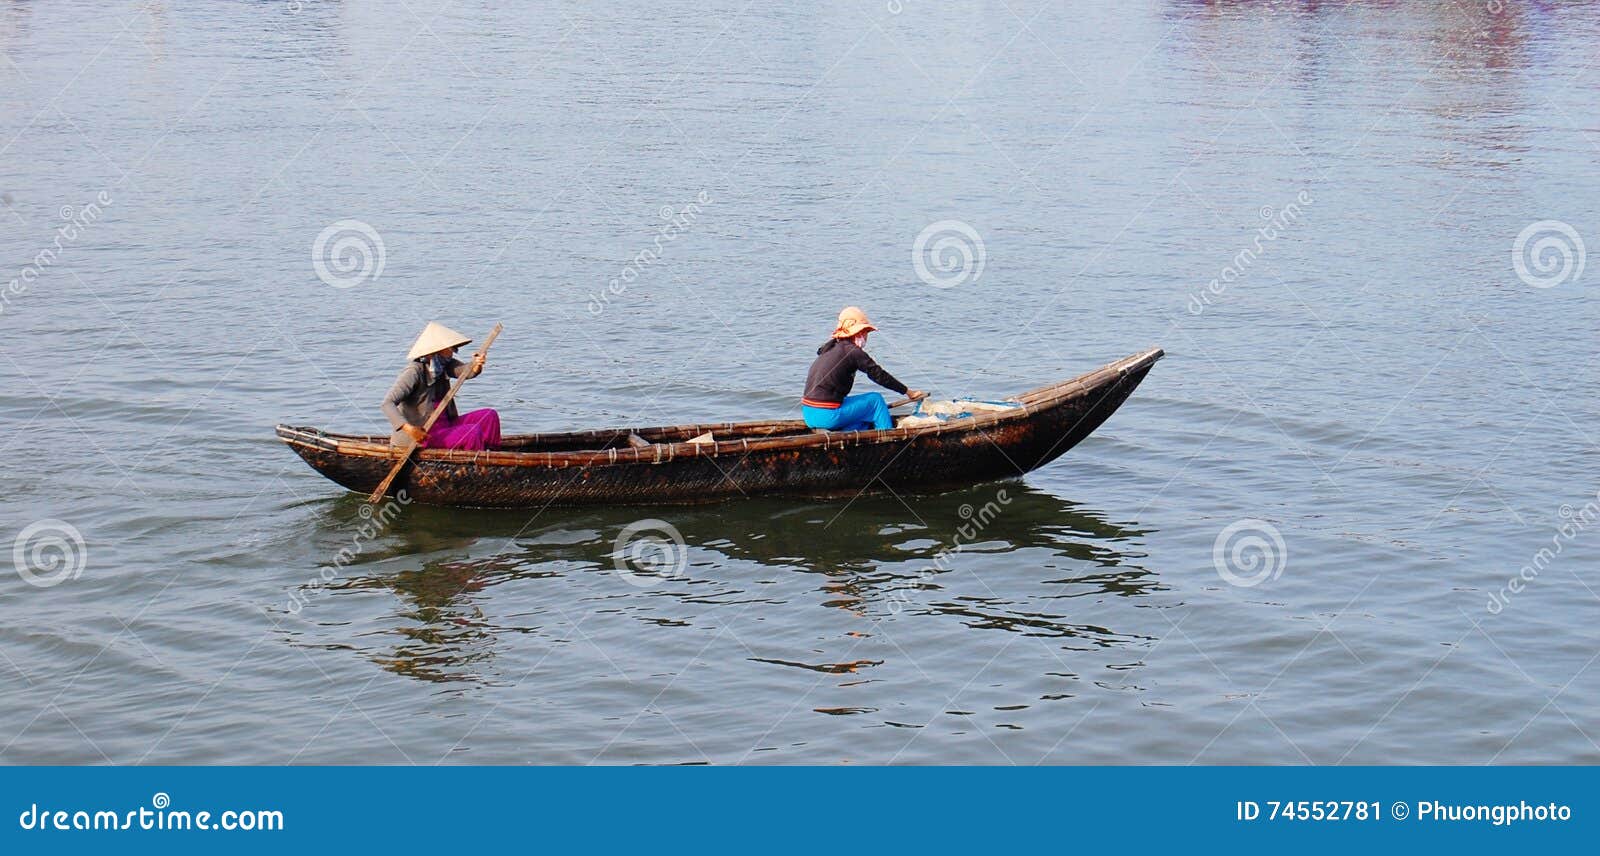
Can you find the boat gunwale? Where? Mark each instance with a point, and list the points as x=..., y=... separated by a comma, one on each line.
x=1034, y=401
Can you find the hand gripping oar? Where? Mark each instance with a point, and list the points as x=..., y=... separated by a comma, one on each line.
x=405, y=457
x=904, y=401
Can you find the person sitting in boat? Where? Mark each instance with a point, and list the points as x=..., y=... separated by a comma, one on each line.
x=828, y=403
x=423, y=383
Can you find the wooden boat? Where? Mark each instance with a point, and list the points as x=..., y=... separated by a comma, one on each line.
x=779, y=457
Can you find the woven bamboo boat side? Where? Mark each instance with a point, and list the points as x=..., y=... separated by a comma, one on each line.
x=772, y=457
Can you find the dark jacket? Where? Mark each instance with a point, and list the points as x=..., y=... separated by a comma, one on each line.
x=834, y=372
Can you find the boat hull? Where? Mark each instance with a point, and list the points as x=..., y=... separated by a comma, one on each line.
x=759, y=459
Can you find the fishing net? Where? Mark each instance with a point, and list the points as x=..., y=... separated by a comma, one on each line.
x=928, y=412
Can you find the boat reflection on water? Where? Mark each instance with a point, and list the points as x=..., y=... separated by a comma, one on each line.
x=1002, y=557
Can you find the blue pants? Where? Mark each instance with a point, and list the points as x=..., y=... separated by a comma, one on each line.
x=860, y=412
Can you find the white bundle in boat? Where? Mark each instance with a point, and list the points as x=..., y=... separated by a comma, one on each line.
x=928, y=412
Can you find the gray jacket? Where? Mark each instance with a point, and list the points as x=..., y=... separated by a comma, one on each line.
x=412, y=398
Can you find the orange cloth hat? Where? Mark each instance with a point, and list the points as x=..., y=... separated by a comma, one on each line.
x=852, y=321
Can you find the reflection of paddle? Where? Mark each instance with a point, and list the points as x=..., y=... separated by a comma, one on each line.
x=383, y=486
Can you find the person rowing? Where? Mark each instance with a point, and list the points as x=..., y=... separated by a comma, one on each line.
x=827, y=402
x=424, y=382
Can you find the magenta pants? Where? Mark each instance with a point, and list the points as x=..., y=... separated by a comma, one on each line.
x=472, y=432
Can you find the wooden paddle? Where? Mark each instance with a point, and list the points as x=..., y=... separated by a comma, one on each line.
x=405, y=457
x=904, y=401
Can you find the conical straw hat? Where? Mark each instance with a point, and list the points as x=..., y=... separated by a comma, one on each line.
x=435, y=338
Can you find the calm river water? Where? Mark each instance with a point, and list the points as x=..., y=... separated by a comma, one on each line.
x=1299, y=542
